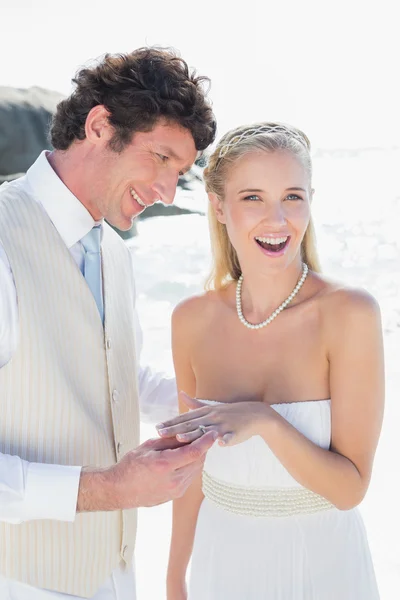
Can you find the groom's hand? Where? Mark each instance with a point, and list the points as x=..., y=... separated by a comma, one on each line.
x=155, y=472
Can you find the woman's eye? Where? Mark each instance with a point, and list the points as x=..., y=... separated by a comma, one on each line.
x=293, y=197
x=252, y=197
x=163, y=157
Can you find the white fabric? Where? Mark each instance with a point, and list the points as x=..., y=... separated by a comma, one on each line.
x=52, y=395
x=321, y=556
x=23, y=485
x=120, y=586
x=31, y=491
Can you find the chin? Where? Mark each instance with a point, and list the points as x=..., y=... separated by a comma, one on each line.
x=278, y=265
x=125, y=225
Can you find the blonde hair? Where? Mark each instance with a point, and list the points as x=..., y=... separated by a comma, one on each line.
x=268, y=137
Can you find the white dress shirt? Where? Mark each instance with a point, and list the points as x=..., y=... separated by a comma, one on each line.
x=23, y=485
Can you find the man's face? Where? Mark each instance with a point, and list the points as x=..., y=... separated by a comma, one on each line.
x=146, y=171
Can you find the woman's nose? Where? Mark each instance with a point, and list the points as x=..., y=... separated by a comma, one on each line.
x=275, y=214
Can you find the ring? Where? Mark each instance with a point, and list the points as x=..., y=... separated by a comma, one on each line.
x=202, y=429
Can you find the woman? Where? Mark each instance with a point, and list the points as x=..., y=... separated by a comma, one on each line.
x=289, y=367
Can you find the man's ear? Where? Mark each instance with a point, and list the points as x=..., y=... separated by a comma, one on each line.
x=97, y=125
x=218, y=207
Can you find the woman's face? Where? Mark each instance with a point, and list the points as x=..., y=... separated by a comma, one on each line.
x=266, y=209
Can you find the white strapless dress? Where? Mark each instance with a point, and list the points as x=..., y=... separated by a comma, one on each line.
x=261, y=535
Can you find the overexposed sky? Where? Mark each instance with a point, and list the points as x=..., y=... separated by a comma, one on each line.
x=329, y=68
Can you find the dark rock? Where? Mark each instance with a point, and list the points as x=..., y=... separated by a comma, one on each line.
x=157, y=210
x=186, y=181
x=162, y=210
x=25, y=116
x=4, y=178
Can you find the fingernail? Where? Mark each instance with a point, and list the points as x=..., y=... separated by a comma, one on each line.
x=222, y=442
x=159, y=425
x=162, y=431
x=181, y=436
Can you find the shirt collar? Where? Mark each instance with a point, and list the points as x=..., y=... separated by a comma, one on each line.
x=68, y=215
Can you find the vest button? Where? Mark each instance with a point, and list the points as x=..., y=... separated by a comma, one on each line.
x=108, y=343
x=119, y=447
x=115, y=396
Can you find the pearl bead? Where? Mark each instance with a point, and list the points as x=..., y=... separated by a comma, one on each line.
x=277, y=311
x=262, y=502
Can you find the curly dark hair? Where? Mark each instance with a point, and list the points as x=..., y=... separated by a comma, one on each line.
x=138, y=89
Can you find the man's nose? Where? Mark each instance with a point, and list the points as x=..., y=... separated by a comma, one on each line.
x=165, y=187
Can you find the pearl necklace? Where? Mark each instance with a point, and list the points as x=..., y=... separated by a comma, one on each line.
x=277, y=311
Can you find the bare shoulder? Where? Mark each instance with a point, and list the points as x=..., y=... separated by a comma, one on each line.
x=194, y=311
x=350, y=301
x=347, y=309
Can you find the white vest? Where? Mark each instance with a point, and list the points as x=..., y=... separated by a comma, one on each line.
x=68, y=396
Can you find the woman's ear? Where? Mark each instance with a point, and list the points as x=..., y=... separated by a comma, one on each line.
x=218, y=207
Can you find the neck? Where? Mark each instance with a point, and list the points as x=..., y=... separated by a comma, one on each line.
x=263, y=293
x=73, y=168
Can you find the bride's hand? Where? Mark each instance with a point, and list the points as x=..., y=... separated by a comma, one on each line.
x=234, y=422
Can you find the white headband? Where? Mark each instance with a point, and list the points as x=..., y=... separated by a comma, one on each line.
x=254, y=131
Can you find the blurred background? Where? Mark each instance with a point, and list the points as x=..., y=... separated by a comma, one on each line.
x=331, y=70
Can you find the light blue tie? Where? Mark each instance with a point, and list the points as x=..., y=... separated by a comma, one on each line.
x=92, y=266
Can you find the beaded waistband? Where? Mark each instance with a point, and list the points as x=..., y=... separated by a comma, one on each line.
x=263, y=502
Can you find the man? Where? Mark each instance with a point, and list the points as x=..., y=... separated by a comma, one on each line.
x=71, y=471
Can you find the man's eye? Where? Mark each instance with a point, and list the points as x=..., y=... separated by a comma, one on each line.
x=252, y=197
x=163, y=157
x=293, y=197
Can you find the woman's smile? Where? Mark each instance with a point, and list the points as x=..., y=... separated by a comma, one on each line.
x=273, y=246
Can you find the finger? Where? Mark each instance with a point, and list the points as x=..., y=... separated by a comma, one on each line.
x=190, y=436
x=191, y=452
x=192, y=403
x=227, y=439
x=183, y=418
x=167, y=443
x=185, y=426
x=202, y=444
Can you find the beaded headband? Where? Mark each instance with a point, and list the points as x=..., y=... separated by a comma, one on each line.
x=254, y=131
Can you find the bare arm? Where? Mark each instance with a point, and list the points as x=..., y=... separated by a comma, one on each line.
x=355, y=351
x=185, y=509
x=184, y=518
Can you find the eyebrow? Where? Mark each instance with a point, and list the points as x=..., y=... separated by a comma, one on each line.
x=291, y=189
x=173, y=155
